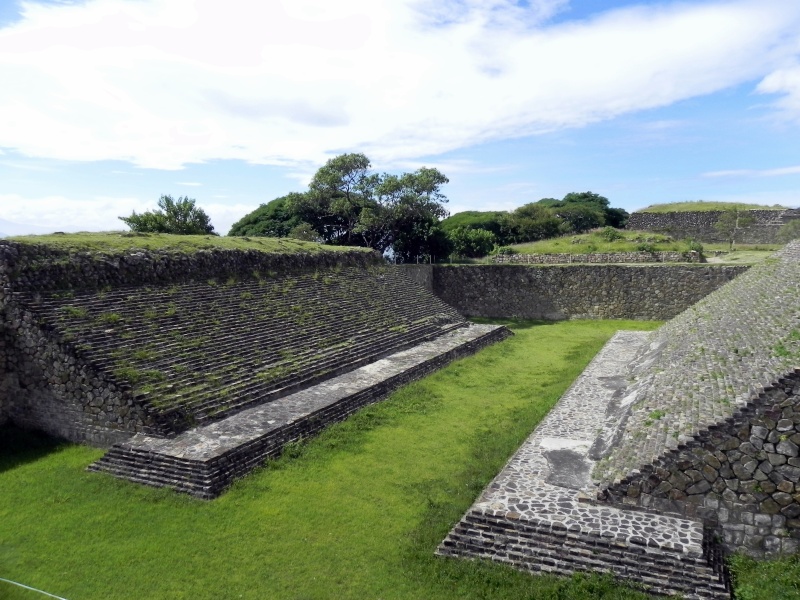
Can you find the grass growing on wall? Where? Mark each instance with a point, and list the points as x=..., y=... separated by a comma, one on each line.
x=116, y=241
x=706, y=206
x=355, y=513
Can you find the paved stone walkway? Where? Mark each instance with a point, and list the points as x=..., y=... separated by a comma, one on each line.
x=547, y=487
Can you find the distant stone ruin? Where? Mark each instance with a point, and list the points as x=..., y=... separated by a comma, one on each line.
x=671, y=449
x=700, y=225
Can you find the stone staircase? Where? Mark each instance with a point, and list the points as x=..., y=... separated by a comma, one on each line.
x=694, y=570
x=197, y=351
x=205, y=460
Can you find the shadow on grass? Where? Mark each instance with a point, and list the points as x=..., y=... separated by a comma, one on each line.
x=19, y=446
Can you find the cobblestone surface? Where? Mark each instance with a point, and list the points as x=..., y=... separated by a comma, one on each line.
x=708, y=362
x=546, y=487
x=525, y=486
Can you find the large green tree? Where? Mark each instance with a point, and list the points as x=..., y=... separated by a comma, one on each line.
x=529, y=223
x=349, y=204
x=181, y=217
x=269, y=220
x=586, y=210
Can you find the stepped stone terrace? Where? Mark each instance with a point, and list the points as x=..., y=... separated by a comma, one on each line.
x=98, y=347
x=671, y=449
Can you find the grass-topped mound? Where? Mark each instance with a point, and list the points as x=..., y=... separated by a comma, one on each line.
x=116, y=242
x=605, y=240
x=706, y=206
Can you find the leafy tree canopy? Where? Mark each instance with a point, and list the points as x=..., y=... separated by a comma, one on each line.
x=472, y=243
x=349, y=204
x=269, y=220
x=730, y=221
x=180, y=217
x=491, y=220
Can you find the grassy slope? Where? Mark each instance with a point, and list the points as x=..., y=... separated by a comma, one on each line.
x=587, y=243
x=356, y=513
x=703, y=206
x=115, y=241
x=594, y=242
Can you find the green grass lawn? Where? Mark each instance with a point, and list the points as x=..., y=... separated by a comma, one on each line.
x=355, y=513
x=118, y=241
x=704, y=206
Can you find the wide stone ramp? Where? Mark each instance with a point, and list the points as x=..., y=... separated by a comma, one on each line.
x=539, y=513
x=205, y=460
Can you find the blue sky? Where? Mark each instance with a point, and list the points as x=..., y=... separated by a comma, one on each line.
x=107, y=104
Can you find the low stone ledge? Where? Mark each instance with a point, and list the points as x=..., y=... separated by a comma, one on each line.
x=599, y=258
x=204, y=461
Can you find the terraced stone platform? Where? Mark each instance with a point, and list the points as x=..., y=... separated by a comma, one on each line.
x=205, y=460
x=539, y=513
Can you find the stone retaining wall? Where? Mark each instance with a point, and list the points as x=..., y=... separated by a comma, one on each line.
x=97, y=347
x=699, y=225
x=203, y=462
x=742, y=475
x=422, y=275
x=577, y=292
x=598, y=258
x=34, y=267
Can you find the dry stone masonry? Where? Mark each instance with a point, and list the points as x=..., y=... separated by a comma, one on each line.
x=671, y=450
x=699, y=225
x=98, y=347
x=598, y=258
x=577, y=291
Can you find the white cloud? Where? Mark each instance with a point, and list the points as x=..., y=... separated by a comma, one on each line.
x=795, y=170
x=163, y=83
x=189, y=183
x=59, y=213
x=225, y=215
x=786, y=82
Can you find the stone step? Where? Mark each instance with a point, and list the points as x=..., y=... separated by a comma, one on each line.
x=205, y=460
x=545, y=546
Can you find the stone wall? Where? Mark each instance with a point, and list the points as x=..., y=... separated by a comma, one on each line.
x=100, y=346
x=699, y=225
x=33, y=267
x=577, y=292
x=742, y=475
x=599, y=258
x=422, y=275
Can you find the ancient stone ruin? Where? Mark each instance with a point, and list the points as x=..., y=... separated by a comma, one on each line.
x=700, y=225
x=194, y=368
x=671, y=449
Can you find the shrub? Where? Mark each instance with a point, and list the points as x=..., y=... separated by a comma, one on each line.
x=610, y=234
